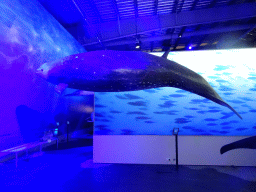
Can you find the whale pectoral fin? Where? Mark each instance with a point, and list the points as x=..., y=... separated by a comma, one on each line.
x=166, y=53
x=60, y=87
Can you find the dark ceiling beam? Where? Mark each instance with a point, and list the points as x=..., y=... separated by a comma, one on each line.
x=212, y=4
x=231, y=2
x=135, y=2
x=109, y=30
x=95, y=10
x=117, y=14
x=194, y=5
x=181, y=5
x=184, y=35
x=172, y=41
x=97, y=34
x=116, y=9
x=198, y=27
x=155, y=7
x=174, y=9
x=151, y=46
x=177, y=38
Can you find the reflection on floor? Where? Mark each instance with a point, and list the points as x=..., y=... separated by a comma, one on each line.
x=73, y=170
x=245, y=173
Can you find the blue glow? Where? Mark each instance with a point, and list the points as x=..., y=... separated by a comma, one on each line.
x=56, y=132
x=29, y=37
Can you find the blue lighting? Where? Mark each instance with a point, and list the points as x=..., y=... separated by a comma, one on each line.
x=56, y=131
x=190, y=47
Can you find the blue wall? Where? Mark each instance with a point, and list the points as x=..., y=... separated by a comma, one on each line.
x=29, y=37
x=232, y=73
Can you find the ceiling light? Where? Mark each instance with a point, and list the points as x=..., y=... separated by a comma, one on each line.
x=203, y=44
x=137, y=44
x=180, y=47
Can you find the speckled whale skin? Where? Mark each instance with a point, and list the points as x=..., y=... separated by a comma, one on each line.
x=119, y=71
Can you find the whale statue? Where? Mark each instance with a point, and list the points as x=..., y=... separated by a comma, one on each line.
x=247, y=143
x=117, y=71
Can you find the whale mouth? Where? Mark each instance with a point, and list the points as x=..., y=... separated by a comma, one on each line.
x=39, y=71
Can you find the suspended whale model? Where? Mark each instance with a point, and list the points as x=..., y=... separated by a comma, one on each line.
x=117, y=71
x=247, y=143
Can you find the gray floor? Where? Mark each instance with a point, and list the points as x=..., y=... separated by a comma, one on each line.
x=73, y=170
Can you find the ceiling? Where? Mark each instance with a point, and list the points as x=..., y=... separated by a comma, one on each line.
x=157, y=25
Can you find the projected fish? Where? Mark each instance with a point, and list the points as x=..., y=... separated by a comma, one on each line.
x=247, y=143
x=116, y=71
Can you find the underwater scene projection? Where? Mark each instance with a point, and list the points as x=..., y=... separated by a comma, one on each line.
x=227, y=109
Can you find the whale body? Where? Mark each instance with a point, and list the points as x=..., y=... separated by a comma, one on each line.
x=117, y=71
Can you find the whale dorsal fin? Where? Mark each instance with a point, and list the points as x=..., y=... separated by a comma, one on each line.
x=166, y=53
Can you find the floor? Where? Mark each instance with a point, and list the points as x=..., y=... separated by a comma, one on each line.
x=72, y=169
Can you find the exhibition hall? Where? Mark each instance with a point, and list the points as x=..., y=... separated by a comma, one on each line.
x=128, y=95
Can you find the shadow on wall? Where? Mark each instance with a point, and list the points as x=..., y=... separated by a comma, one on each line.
x=32, y=123
x=247, y=143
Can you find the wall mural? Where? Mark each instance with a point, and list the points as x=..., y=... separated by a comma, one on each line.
x=156, y=111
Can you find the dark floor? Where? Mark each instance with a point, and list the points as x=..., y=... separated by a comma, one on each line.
x=73, y=170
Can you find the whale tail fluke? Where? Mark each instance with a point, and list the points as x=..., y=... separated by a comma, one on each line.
x=224, y=149
x=247, y=143
x=219, y=100
x=227, y=105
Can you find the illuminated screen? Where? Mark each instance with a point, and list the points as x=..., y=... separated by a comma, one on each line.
x=232, y=74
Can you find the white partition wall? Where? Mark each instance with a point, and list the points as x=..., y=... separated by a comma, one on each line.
x=151, y=149
x=133, y=149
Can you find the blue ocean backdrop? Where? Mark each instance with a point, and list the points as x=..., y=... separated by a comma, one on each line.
x=232, y=73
